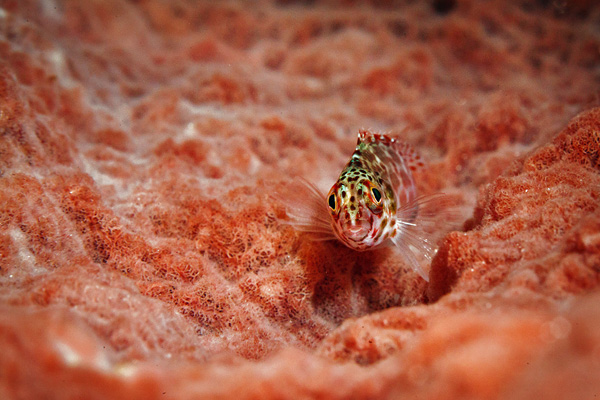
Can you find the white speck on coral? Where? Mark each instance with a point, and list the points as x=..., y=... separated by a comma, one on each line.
x=126, y=370
x=24, y=253
x=73, y=358
x=190, y=130
x=254, y=164
x=57, y=59
x=590, y=241
x=208, y=111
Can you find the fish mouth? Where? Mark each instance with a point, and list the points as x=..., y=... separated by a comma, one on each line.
x=357, y=231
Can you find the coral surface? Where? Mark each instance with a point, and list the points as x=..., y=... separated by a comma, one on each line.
x=144, y=256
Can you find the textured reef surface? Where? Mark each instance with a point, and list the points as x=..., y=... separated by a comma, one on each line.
x=143, y=254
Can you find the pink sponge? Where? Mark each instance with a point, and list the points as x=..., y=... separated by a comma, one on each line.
x=142, y=253
x=526, y=222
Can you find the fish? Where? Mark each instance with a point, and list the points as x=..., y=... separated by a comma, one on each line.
x=373, y=204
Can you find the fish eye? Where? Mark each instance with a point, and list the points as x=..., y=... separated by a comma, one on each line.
x=332, y=202
x=376, y=195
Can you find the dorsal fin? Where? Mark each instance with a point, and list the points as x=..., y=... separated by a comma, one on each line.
x=411, y=157
x=366, y=136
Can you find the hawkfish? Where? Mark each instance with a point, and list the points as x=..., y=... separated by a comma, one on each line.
x=374, y=203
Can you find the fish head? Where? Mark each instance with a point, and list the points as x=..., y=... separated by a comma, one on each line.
x=358, y=208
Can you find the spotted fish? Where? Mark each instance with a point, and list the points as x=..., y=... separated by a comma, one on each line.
x=373, y=203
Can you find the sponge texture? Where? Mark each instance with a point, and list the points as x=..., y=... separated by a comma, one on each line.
x=143, y=253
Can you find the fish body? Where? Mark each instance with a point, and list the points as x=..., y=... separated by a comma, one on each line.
x=373, y=203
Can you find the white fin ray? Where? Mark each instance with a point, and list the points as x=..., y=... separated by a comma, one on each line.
x=417, y=236
x=306, y=209
x=408, y=255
